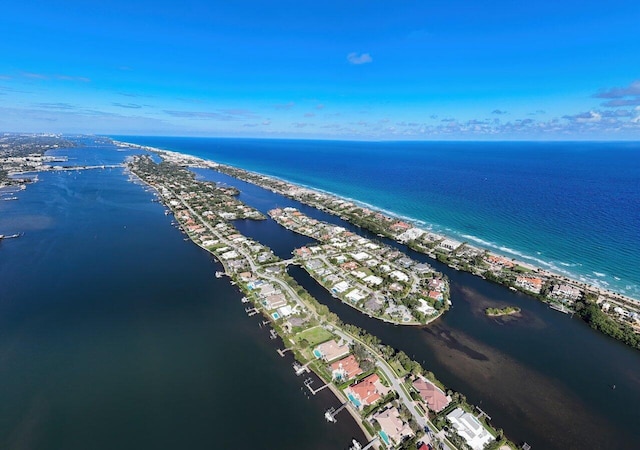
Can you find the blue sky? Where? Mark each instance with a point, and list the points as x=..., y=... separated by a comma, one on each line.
x=331, y=69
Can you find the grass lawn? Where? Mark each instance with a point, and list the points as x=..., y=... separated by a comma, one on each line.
x=314, y=336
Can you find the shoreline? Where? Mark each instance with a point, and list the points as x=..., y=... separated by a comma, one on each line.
x=416, y=222
x=551, y=268
x=479, y=243
x=619, y=309
x=220, y=238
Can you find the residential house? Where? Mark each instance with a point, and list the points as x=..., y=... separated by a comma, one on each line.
x=469, y=428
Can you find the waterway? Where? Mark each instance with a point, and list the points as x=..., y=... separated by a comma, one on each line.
x=544, y=377
x=115, y=333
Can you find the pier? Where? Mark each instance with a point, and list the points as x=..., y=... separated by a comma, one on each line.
x=313, y=391
x=300, y=369
x=331, y=413
x=282, y=352
x=251, y=311
x=357, y=446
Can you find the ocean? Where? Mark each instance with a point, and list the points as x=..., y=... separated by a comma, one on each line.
x=115, y=333
x=569, y=207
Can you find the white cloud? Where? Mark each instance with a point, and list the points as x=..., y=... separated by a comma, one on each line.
x=363, y=58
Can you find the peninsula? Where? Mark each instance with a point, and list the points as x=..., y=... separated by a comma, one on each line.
x=611, y=313
x=394, y=399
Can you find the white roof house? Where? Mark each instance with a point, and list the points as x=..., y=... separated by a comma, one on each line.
x=341, y=287
x=400, y=276
x=469, y=428
x=373, y=280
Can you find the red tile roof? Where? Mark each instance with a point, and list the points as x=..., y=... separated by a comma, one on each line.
x=432, y=396
x=349, y=365
x=366, y=390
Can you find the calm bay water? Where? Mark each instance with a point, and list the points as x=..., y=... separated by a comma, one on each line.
x=115, y=334
x=571, y=207
x=543, y=377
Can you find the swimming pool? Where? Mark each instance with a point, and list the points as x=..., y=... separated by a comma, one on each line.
x=384, y=437
x=354, y=400
x=317, y=353
x=275, y=315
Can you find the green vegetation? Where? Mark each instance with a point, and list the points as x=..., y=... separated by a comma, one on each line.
x=502, y=311
x=598, y=320
x=313, y=336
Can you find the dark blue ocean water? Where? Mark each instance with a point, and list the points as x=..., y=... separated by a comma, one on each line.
x=571, y=207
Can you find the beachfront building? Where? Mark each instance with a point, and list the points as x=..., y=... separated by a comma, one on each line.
x=469, y=428
x=434, y=398
x=532, y=284
x=367, y=391
x=393, y=429
x=345, y=369
x=566, y=292
x=331, y=350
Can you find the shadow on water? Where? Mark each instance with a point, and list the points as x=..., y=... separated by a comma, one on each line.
x=114, y=334
x=542, y=376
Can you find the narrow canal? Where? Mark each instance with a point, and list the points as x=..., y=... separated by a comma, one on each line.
x=543, y=377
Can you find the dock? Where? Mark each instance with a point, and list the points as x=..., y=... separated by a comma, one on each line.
x=313, y=391
x=282, y=352
x=331, y=413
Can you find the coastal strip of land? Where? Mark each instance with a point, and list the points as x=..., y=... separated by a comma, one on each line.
x=394, y=399
x=609, y=312
x=369, y=276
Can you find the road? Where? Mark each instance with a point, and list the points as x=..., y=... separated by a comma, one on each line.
x=382, y=365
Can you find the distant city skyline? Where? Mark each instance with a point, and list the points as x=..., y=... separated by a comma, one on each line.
x=365, y=70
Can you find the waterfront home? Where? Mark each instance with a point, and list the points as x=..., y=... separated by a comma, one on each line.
x=410, y=235
x=340, y=287
x=565, y=291
x=422, y=268
x=274, y=301
x=374, y=304
x=393, y=427
x=449, y=244
x=400, y=227
x=425, y=308
x=367, y=391
x=434, y=398
x=469, y=428
x=355, y=295
x=532, y=284
x=267, y=289
x=314, y=264
x=331, y=350
x=345, y=369
x=232, y=254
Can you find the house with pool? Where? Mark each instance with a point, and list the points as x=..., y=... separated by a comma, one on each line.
x=393, y=429
x=331, y=350
x=345, y=369
x=367, y=391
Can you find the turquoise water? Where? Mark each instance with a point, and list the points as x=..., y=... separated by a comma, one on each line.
x=384, y=437
x=275, y=315
x=573, y=208
x=317, y=354
x=355, y=401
